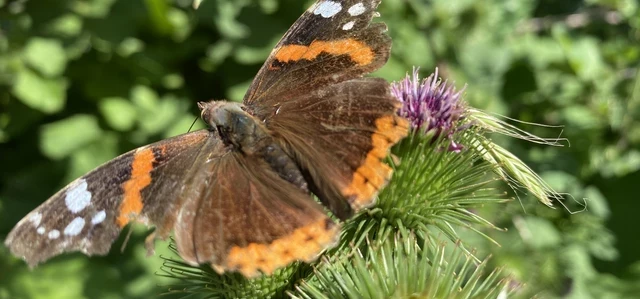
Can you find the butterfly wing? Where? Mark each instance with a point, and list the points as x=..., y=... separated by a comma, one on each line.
x=227, y=209
x=89, y=213
x=331, y=42
x=309, y=93
x=242, y=216
x=340, y=135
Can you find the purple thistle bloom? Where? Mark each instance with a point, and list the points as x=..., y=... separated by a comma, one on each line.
x=430, y=105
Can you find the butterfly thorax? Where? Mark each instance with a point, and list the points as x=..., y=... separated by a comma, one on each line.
x=248, y=136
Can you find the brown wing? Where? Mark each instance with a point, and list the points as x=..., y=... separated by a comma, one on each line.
x=331, y=42
x=239, y=215
x=339, y=135
x=89, y=213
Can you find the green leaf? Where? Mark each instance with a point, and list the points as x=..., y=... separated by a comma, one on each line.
x=157, y=14
x=218, y=52
x=46, y=55
x=130, y=46
x=144, y=97
x=413, y=46
x=251, y=55
x=585, y=58
x=53, y=280
x=543, y=234
x=79, y=46
x=181, y=27
x=268, y=6
x=160, y=116
x=173, y=81
x=577, y=261
x=581, y=118
x=45, y=95
x=61, y=138
x=67, y=25
x=95, y=8
x=119, y=113
x=92, y=154
x=597, y=203
x=236, y=92
x=226, y=20
x=542, y=51
x=155, y=114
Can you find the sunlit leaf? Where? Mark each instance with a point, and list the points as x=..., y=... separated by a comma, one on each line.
x=46, y=56
x=47, y=95
x=60, y=139
x=67, y=25
x=119, y=113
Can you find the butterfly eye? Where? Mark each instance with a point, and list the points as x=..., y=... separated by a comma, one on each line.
x=206, y=116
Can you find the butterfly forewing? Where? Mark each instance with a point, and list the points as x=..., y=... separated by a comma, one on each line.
x=89, y=213
x=332, y=41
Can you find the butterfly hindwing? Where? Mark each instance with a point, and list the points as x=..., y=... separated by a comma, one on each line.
x=89, y=213
x=240, y=215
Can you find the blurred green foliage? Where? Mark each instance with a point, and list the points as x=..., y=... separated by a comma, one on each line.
x=84, y=80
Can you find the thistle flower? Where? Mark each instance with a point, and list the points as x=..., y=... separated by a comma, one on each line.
x=436, y=108
x=431, y=105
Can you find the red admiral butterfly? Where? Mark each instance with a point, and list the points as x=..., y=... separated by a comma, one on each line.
x=238, y=195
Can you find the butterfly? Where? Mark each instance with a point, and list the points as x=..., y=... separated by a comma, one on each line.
x=238, y=195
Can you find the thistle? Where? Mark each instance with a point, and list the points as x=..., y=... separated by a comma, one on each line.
x=436, y=109
x=430, y=105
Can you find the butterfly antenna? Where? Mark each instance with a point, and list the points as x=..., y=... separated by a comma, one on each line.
x=192, y=124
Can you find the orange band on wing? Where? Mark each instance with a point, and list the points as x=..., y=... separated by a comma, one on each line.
x=141, y=168
x=374, y=174
x=303, y=244
x=359, y=52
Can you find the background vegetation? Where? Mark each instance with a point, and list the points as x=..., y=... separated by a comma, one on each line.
x=82, y=81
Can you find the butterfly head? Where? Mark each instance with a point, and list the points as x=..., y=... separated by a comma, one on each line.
x=234, y=125
x=220, y=114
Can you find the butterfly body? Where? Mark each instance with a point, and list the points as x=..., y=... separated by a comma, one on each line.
x=246, y=135
x=238, y=195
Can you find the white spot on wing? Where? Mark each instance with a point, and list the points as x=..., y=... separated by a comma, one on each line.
x=98, y=217
x=327, y=9
x=35, y=219
x=78, y=197
x=357, y=9
x=54, y=234
x=41, y=230
x=75, y=227
x=348, y=25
